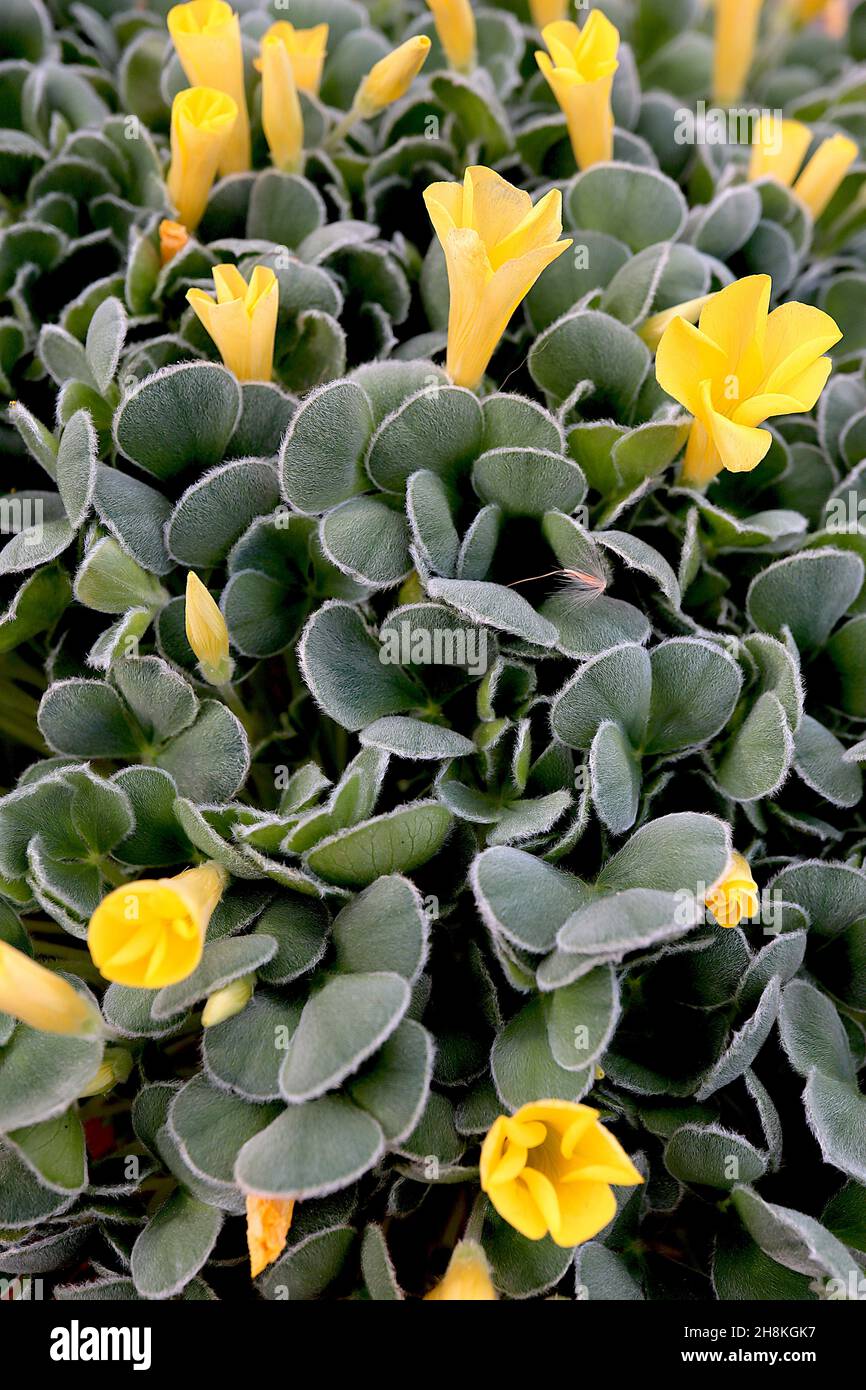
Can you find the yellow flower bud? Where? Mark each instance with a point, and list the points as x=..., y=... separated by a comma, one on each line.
x=548, y=1170
x=825, y=171
x=268, y=1222
x=455, y=25
x=467, y=1278
x=580, y=72
x=738, y=368
x=206, y=632
x=306, y=48
x=41, y=999
x=282, y=120
x=242, y=320
x=207, y=37
x=496, y=245
x=201, y=122
x=392, y=76
x=737, y=23
x=652, y=329
x=173, y=237
x=226, y=1002
x=779, y=150
x=735, y=894
x=546, y=12
x=115, y=1068
x=150, y=933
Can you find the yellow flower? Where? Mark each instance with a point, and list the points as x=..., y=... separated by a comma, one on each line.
x=150, y=933
x=737, y=24
x=496, y=245
x=206, y=631
x=739, y=367
x=173, y=237
x=282, y=121
x=226, y=1002
x=467, y=1278
x=652, y=329
x=548, y=1169
x=242, y=320
x=455, y=25
x=201, y=122
x=779, y=150
x=580, y=73
x=268, y=1222
x=833, y=13
x=546, y=12
x=306, y=49
x=207, y=36
x=735, y=894
x=41, y=999
x=392, y=76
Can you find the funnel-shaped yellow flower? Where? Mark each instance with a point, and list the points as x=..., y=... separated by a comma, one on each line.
x=496, y=245
x=206, y=632
x=825, y=172
x=306, y=48
x=390, y=78
x=467, y=1278
x=737, y=23
x=735, y=894
x=207, y=36
x=652, y=330
x=201, y=122
x=739, y=367
x=779, y=150
x=242, y=320
x=41, y=999
x=455, y=25
x=546, y=12
x=282, y=120
x=580, y=73
x=548, y=1169
x=268, y=1222
x=150, y=933
x=173, y=237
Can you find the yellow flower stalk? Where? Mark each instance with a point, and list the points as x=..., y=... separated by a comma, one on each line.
x=390, y=78
x=740, y=366
x=307, y=49
x=201, y=122
x=242, y=320
x=779, y=150
x=548, y=1170
x=652, y=329
x=455, y=25
x=226, y=1002
x=546, y=12
x=282, y=120
x=173, y=237
x=737, y=23
x=206, y=631
x=735, y=894
x=825, y=171
x=496, y=245
x=268, y=1223
x=467, y=1278
x=41, y=999
x=207, y=37
x=150, y=933
x=580, y=72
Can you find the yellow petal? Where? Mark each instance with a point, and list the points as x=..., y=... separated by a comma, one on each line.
x=492, y=206
x=455, y=25
x=797, y=334
x=685, y=357
x=268, y=1223
x=42, y=999
x=150, y=932
x=736, y=33
x=173, y=237
x=585, y=1209
x=544, y=1195
x=740, y=447
x=598, y=1154
x=243, y=321
x=736, y=319
x=467, y=1278
x=779, y=149
x=546, y=12
x=516, y=1205
x=392, y=76
x=202, y=120
x=282, y=121
x=824, y=173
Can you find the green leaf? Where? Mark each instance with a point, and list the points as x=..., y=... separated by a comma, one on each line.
x=181, y=416
x=385, y=927
x=342, y=666
x=310, y=1150
x=398, y=842
x=710, y=1156
x=174, y=1245
x=806, y=593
